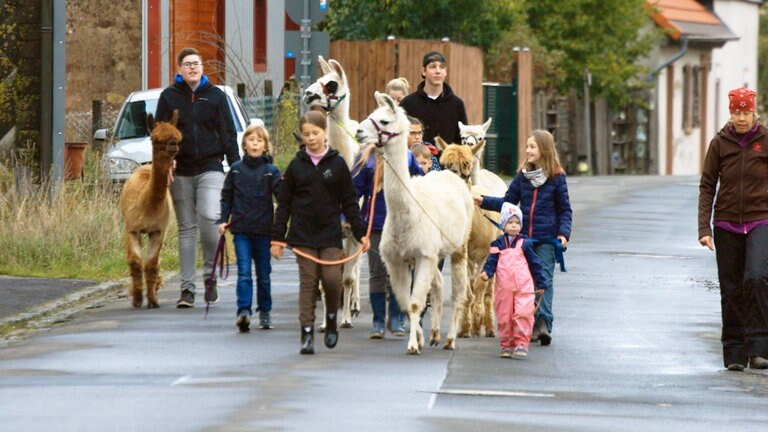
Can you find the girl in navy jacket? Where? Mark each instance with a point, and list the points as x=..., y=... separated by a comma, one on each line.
x=541, y=192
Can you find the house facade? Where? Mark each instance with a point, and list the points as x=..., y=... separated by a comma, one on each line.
x=710, y=48
x=242, y=42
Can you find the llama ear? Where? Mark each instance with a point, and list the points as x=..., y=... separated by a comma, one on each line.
x=477, y=148
x=462, y=126
x=175, y=117
x=487, y=124
x=324, y=66
x=385, y=100
x=151, y=121
x=338, y=69
x=441, y=144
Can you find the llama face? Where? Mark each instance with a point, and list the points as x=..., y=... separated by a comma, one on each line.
x=330, y=89
x=474, y=134
x=165, y=138
x=384, y=124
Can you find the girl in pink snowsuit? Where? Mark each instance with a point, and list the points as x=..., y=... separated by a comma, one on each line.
x=516, y=266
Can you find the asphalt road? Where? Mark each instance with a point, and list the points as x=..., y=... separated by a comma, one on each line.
x=635, y=348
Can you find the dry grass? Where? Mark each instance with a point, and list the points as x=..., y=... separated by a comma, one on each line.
x=70, y=231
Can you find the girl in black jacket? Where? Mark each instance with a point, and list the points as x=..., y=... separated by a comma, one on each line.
x=317, y=189
x=246, y=210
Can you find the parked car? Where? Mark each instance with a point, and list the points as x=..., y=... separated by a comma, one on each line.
x=129, y=145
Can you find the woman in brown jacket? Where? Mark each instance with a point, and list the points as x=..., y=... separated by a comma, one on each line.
x=737, y=159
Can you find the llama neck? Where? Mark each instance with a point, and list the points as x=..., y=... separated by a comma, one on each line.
x=158, y=181
x=339, y=135
x=475, y=176
x=397, y=178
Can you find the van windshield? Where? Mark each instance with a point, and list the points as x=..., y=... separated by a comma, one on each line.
x=133, y=119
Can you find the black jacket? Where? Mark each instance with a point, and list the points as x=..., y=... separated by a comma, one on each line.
x=246, y=198
x=206, y=126
x=314, y=198
x=440, y=116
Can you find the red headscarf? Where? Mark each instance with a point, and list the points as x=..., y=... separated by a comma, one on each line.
x=741, y=99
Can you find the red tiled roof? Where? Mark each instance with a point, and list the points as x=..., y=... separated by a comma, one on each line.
x=687, y=17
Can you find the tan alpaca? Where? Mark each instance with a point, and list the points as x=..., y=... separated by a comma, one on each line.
x=146, y=209
x=478, y=304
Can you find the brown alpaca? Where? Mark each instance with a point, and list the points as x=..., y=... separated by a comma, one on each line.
x=146, y=209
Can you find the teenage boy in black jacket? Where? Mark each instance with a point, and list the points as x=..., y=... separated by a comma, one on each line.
x=208, y=135
x=434, y=102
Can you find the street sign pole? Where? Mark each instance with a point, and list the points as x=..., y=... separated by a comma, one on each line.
x=306, y=34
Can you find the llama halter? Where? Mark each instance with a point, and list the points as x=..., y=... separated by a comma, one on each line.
x=474, y=140
x=330, y=95
x=381, y=133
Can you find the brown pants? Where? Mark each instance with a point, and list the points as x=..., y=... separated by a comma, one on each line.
x=310, y=276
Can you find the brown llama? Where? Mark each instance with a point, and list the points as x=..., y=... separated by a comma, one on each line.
x=146, y=209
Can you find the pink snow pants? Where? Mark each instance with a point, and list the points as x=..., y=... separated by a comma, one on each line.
x=513, y=297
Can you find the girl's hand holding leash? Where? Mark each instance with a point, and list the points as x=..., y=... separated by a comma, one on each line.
x=477, y=198
x=563, y=241
x=366, y=243
x=707, y=242
x=276, y=251
x=484, y=277
x=223, y=228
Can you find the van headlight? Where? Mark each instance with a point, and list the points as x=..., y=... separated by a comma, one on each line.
x=117, y=166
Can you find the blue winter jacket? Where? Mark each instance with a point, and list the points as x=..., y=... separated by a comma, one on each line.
x=546, y=210
x=363, y=179
x=534, y=263
x=246, y=198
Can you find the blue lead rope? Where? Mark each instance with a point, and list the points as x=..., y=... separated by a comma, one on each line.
x=559, y=250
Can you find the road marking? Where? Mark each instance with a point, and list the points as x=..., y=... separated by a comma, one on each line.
x=496, y=393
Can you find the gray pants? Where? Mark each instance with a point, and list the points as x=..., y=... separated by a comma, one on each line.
x=196, y=204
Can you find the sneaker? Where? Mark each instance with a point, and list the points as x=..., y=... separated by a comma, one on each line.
x=243, y=321
x=736, y=367
x=520, y=352
x=187, y=300
x=265, y=321
x=535, y=335
x=211, y=293
x=506, y=352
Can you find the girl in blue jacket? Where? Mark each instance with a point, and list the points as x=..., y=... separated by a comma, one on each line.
x=246, y=210
x=541, y=192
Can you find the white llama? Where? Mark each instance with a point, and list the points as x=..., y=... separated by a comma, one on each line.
x=331, y=93
x=428, y=218
x=473, y=135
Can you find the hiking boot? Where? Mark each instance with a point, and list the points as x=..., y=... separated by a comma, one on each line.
x=758, y=362
x=187, y=300
x=307, y=342
x=535, y=335
x=211, y=293
x=736, y=367
x=506, y=352
x=520, y=352
x=545, y=337
x=243, y=321
x=265, y=321
x=331, y=336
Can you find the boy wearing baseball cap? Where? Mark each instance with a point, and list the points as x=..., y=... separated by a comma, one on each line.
x=434, y=102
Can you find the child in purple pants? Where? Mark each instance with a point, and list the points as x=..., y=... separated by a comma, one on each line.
x=516, y=266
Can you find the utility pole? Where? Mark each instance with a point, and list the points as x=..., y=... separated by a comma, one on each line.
x=587, y=120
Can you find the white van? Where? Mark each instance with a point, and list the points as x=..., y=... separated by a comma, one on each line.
x=129, y=145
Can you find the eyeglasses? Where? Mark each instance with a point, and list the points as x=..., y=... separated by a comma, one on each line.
x=416, y=133
x=191, y=64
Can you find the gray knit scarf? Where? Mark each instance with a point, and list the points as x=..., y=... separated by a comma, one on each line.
x=536, y=177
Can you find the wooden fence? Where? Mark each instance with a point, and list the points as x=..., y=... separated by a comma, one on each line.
x=369, y=65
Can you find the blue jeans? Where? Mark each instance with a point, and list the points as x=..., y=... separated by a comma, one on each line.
x=546, y=254
x=249, y=247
